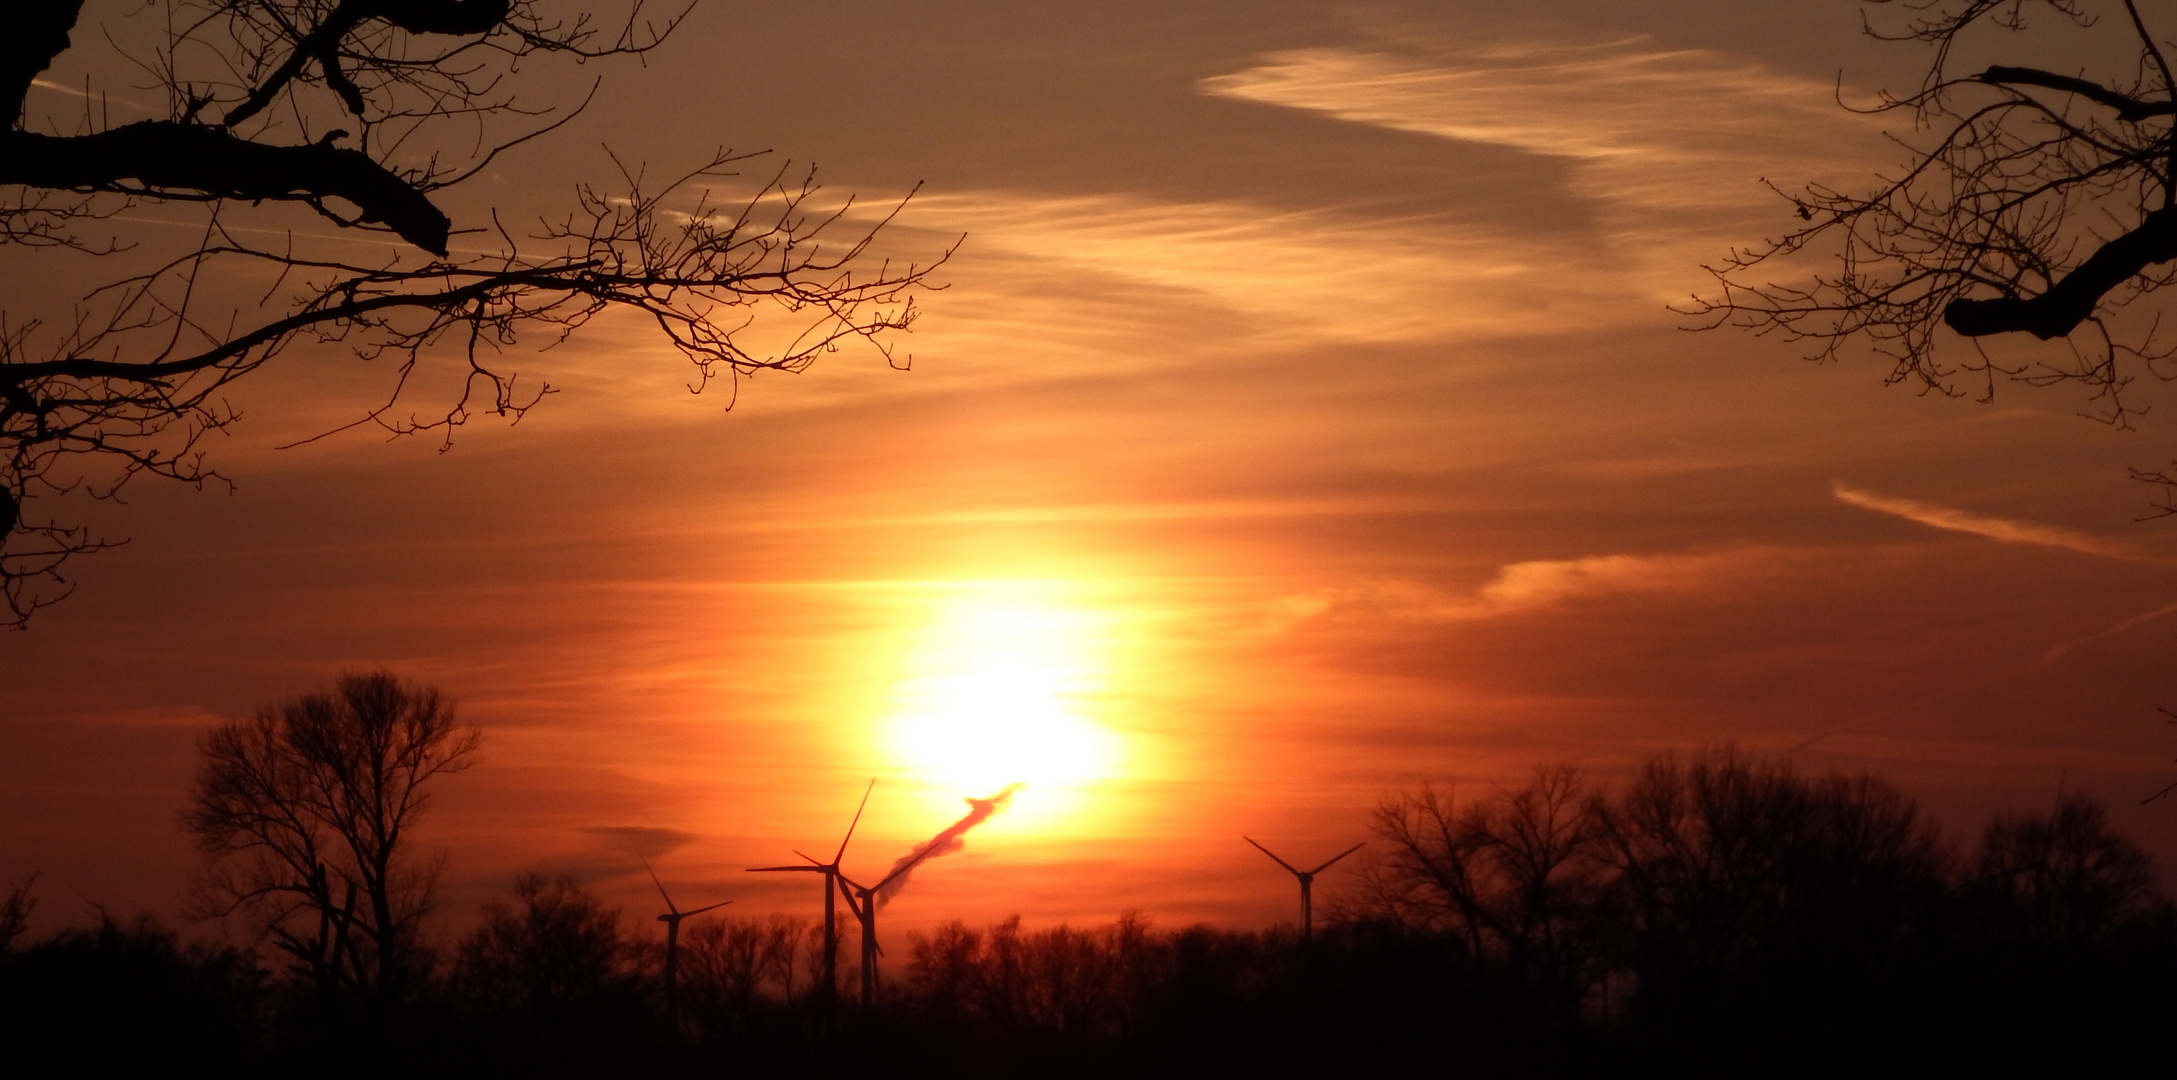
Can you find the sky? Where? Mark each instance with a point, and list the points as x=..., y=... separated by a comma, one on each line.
x=1303, y=418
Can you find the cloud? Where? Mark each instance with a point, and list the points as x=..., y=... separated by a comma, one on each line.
x=1289, y=277
x=1528, y=586
x=1548, y=582
x=613, y=851
x=106, y=98
x=1994, y=528
x=641, y=841
x=2047, y=659
x=2062, y=649
x=48, y=84
x=1668, y=143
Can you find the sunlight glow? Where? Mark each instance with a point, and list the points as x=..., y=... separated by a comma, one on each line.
x=997, y=690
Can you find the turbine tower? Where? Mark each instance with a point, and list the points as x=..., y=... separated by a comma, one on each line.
x=1307, y=884
x=830, y=871
x=672, y=919
x=865, y=913
x=862, y=901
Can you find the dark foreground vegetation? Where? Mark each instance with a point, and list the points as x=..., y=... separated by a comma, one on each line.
x=1715, y=917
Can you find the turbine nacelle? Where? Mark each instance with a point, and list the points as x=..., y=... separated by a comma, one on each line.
x=1307, y=882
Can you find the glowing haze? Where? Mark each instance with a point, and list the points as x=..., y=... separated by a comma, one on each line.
x=999, y=688
x=1302, y=421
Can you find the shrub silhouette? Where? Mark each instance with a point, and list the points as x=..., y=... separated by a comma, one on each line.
x=130, y=996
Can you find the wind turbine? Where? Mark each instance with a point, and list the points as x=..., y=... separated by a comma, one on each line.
x=671, y=919
x=865, y=913
x=830, y=871
x=1307, y=883
x=863, y=899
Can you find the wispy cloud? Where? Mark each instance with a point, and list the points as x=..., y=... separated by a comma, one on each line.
x=1669, y=143
x=1547, y=582
x=2059, y=651
x=80, y=92
x=2048, y=658
x=1529, y=586
x=48, y=84
x=642, y=841
x=2008, y=530
x=1293, y=277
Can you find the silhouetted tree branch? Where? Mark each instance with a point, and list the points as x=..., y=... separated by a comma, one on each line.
x=2038, y=203
x=359, y=111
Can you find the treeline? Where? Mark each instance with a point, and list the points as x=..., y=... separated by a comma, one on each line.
x=1715, y=916
x=1733, y=917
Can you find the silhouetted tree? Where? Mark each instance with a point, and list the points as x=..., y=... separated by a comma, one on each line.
x=303, y=813
x=15, y=912
x=1724, y=863
x=1085, y=982
x=1715, y=902
x=2040, y=201
x=358, y=114
x=554, y=955
x=731, y=968
x=2066, y=879
x=1515, y=877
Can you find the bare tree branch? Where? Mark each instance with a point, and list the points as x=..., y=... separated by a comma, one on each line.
x=165, y=160
x=2037, y=203
x=131, y=378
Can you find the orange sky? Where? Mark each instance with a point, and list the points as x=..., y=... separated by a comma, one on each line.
x=1302, y=420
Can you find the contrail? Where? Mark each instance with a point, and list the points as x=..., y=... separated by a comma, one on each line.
x=2050, y=656
x=944, y=843
x=2007, y=530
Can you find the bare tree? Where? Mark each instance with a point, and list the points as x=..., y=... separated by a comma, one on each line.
x=2066, y=879
x=303, y=813
x=2038, y=203
x=1513, y=877
x=731, y=964
x=557, y=952
x=358, y=114
x=1087, y=982
x=1726, y=864
x=15, y=909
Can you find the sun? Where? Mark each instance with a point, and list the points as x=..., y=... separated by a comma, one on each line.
x=999, y=689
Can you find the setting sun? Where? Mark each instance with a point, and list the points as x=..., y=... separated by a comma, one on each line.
x=995, y=691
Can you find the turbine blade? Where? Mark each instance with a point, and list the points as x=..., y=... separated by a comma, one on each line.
x=661, y=886
x=842, y=852
x=1339, y=856
x=854, y=907
x=785, y=869
x=1273, y=855
x=701, y=910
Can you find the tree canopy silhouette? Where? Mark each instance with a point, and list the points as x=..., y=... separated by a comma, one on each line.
x=304, y=812
x=2040, y=202
x=360, y=114
x=1714, y=914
